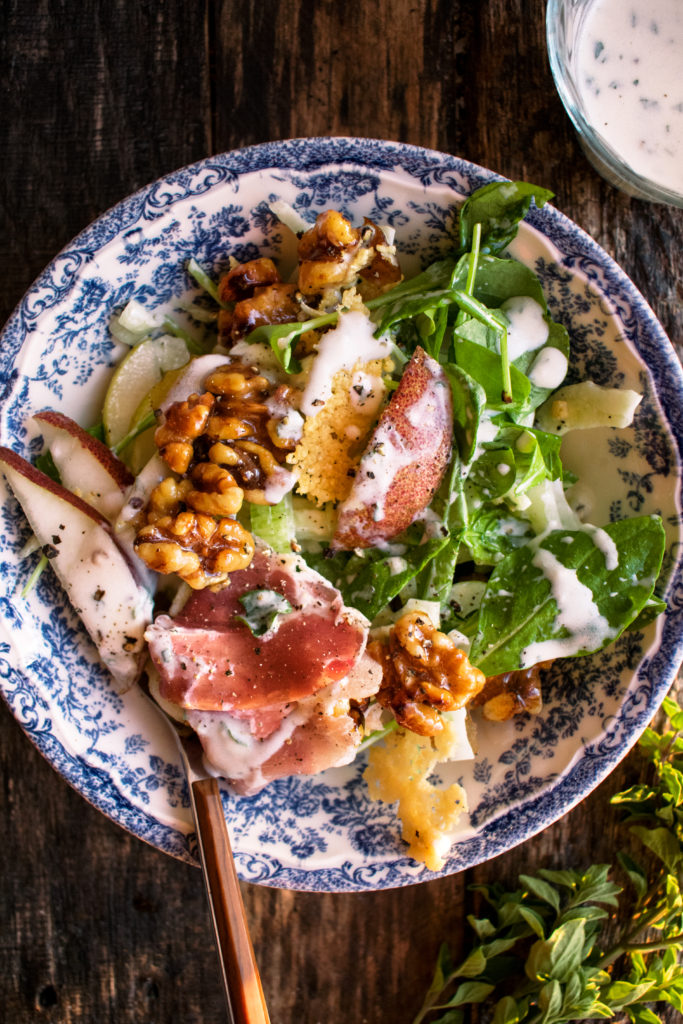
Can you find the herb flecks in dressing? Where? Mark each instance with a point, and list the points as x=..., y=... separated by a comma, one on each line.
x=629, y=61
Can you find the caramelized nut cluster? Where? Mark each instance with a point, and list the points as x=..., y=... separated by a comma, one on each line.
x=223, y=445
x=424, y=673
x=198, y=548
x=334, y=256
x=512, y=693
x=259, y=297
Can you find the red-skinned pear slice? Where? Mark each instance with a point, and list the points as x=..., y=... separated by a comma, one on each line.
x=86, y=466
x=96, y=574
x=405, y=460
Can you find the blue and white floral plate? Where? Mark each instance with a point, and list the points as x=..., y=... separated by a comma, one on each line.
x=323, y=833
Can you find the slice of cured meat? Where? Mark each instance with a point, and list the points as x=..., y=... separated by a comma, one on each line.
x=209, y=660
x=252, y=748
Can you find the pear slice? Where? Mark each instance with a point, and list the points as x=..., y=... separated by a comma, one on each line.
x=97, y=575
x=405, y=459
x=86, y=466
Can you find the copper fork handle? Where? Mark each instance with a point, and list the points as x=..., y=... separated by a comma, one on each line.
x=240, y=973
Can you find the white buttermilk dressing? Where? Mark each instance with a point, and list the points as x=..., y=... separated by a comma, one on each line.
x=549, y=368
x=423, y=411
x=576, y=611
x=528, y=330
x=232, y=750
x=629, y=71
x=350, y=342
x=378, y=470
x=290, y=427
x=367, y=392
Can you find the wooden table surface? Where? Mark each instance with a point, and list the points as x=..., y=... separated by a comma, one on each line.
x=97, y=100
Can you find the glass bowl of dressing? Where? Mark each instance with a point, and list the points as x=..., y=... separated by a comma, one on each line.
x=618, y=67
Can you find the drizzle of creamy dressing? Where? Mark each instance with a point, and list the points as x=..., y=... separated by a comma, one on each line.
x=576, y=612
x=290, y=427
x=422, y=411
x=350, y=342
x=629, y=59
x=549, y=510
x=528, y=330
x=549, y=368
x=378, y=470
x=231, y=749
x=367, y=392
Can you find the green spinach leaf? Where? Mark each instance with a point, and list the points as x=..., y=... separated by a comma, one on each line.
x=499, y=208
x=522, y=607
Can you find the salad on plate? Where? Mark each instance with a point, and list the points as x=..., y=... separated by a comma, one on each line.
x=327, y=512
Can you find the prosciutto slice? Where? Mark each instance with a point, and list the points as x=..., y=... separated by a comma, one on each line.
x=274, y=705
x=209, y=660
x=253, y=748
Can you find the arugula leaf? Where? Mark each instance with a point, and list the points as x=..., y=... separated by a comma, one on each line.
x=261, y=610
x=369, y=581
x=493, y=532
x=498, y=207
x=469, y=402
x=484, y=366
x=521, y=609
x=283, y=337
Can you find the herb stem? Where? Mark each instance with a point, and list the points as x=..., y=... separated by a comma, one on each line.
x=472, y=265
x=144, y=424
x=35, y=576
x=652, y=947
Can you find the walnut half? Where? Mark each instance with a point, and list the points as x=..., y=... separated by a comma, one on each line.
x=197, y=547
x=424, y=673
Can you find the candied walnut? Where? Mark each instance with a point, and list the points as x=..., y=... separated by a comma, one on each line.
x=331, y=254
x=235, y=427
x=166, y=498
x=196, y=547
x=270, y=304
x=183, y=424
x=240, y=282
x=242, y=431
x=424, y=673
x=383, y=271
x=512, y=693
x=214, y=491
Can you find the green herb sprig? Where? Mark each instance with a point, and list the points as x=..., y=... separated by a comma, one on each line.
x=542, y=954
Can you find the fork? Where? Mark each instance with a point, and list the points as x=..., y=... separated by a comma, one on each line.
x=241, y=981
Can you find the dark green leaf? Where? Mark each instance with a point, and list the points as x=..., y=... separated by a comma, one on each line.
x=507, y=1011
x=485, y=366
x=46, y=464
x=470, y=992
x=473, y=965
x=499, y=208
x=623, y=993
x=482, y=926
x=550, y=999
x=519, y=607
x=558, y=955
x=534, y=920
x=261, y=610
x=542, y=890
x=662, y=843
x=370, y=581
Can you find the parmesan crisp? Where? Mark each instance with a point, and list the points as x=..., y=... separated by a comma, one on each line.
x=333, y=440
x=399, y=769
